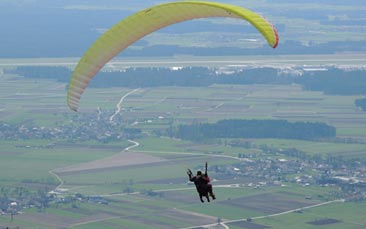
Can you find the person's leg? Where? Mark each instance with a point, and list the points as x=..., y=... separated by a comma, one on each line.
x=208, y=198
x=209, y=188
x=201, y=197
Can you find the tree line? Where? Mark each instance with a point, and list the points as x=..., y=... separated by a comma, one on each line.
x=335, y=81
x=331, y=81
x=240, y=128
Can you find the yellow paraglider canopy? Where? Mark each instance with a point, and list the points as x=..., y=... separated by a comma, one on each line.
x=138, y=25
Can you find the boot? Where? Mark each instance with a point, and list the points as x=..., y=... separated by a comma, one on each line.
x=213, y=196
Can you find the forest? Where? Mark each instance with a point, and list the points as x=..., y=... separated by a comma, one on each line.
x=332, y=81
x=238, y=128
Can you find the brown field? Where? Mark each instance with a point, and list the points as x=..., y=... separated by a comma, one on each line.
x=136, y=160
x=248, y=225
x=55, y=221
x=125, y=209
x=152, y=222
x=269, y=203
x=183, y=197
x=58, y=221
x=118, y=160
x=322, y=222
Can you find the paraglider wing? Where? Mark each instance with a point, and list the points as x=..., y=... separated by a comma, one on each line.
x=138, y=25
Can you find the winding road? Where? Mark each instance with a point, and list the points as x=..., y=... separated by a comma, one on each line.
x=119, y=104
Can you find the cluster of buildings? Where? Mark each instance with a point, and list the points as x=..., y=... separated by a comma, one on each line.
x=78, y=129
x=347, y=177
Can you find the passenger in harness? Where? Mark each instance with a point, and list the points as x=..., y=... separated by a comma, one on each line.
x=202, y=183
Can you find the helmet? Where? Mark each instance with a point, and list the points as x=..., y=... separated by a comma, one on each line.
x=199, y=173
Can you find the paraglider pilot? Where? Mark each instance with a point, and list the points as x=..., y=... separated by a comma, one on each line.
x=202, y=183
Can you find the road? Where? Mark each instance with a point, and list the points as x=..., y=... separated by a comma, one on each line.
x=216, y=61
x=119, y=104
x=58, y=178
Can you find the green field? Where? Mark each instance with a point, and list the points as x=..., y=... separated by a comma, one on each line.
x=158, y=195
